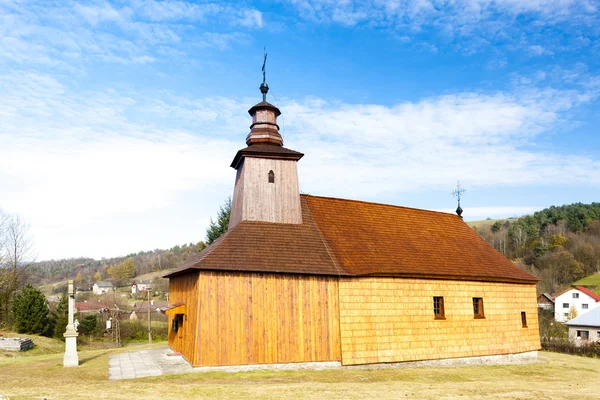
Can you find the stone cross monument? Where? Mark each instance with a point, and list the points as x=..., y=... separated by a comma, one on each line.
x=71, y=358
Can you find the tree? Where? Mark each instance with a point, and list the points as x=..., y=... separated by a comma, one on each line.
x=16, y=255
x=88, y=325
x=496, y=226
x=220, y=226
x=30, y=311
x=97, y=276
x=126, y=269
x=557, y=241
x=62, y=317
x=79, y=278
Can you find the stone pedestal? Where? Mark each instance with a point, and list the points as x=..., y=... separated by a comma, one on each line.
x=71, y=358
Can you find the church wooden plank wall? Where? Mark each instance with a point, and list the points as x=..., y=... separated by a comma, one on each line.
x=255, y=199
x=253, y=318
x=392, y=320
x=184, y=288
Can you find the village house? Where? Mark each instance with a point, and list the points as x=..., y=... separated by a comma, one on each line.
x=84, y=307
x=585, y=328
x=140, y=309
x=302, y=278
x=102, y=287
x=574, y=302
x=140, y=286
x=545, y=302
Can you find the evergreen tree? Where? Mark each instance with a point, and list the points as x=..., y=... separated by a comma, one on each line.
x=30, y=311
x=97, y=276
x=62, y=316
x=219, y=227
x=88, y=325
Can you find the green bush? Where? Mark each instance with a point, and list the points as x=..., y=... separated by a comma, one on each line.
x=30, y=311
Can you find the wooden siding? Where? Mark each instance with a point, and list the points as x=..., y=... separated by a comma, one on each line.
x=184, y=288
x=252, y=318
x=392, y=320
x=255, y=199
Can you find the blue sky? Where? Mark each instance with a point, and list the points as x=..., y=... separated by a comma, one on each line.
x=118, y=120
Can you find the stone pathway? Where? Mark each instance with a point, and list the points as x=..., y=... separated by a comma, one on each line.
x=142, y=363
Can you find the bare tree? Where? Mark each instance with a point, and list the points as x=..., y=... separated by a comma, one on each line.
x=16, y=254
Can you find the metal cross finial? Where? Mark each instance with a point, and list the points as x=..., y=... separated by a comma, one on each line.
x=457, y=194
x=264, y=65
x=264, y=88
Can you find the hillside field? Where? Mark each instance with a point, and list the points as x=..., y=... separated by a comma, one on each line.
x=39, y=374
x=592, y=280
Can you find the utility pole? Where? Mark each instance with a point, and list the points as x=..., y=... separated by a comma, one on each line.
x=149, y=324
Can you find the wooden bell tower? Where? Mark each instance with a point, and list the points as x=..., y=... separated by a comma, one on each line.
x=266, y=183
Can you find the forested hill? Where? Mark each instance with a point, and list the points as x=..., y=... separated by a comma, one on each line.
x=558, y=244
x=88, y=270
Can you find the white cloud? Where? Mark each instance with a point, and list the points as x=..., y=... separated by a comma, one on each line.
x=469, y=24
x=68, y=34
x=90, y=178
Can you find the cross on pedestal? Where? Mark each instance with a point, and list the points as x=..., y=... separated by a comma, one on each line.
x=71, y=358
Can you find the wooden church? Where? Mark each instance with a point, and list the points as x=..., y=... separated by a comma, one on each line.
x=300, y=278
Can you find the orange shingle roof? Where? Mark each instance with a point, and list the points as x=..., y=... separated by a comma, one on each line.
x=356, y=238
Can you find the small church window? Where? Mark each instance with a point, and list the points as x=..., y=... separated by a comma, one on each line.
x=438, y=308
x=271, y=177
x=478, y=307
x=524, y=319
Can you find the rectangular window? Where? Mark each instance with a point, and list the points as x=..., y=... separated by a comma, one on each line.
x=583, y=335
x=566, y=315
x=478, y=307
x=524, y=319
x=575, y=295
x=438, y=308
x=565, y=305
x=584, y=306
x=598, y=334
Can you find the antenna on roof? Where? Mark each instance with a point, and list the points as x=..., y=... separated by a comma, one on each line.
x=264, y=88
x=457, y=194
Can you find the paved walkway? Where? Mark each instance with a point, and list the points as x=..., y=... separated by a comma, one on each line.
x=142, y=363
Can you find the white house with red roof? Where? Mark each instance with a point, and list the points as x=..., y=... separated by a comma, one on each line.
x=574, y=302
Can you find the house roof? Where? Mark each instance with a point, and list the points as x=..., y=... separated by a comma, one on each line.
x=92, y=306
x=142, y=306
x=104, y=284
x=588, y=292
x=590, y=318
x=547, y=296
x=581, y=289
x=357, y=238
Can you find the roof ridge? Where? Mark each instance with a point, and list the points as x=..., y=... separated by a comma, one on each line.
x=588, y=292
x=381, y=204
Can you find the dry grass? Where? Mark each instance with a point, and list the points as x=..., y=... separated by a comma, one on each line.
x=561, y=377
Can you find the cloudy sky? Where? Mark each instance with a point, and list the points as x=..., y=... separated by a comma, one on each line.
x=118, y=120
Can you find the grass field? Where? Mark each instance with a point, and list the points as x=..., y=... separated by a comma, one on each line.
x=592, y=280
x=39, y=374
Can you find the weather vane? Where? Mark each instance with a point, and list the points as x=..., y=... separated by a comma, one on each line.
x=264, y=88
x=457, y=194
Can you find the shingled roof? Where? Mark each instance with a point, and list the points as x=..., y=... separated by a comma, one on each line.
x=356, y=238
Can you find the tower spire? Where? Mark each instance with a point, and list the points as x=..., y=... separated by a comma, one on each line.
x=264, y=128
x=264, y=88
x=457, y=194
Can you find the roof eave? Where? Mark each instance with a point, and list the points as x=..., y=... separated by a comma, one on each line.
x=278, y=156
